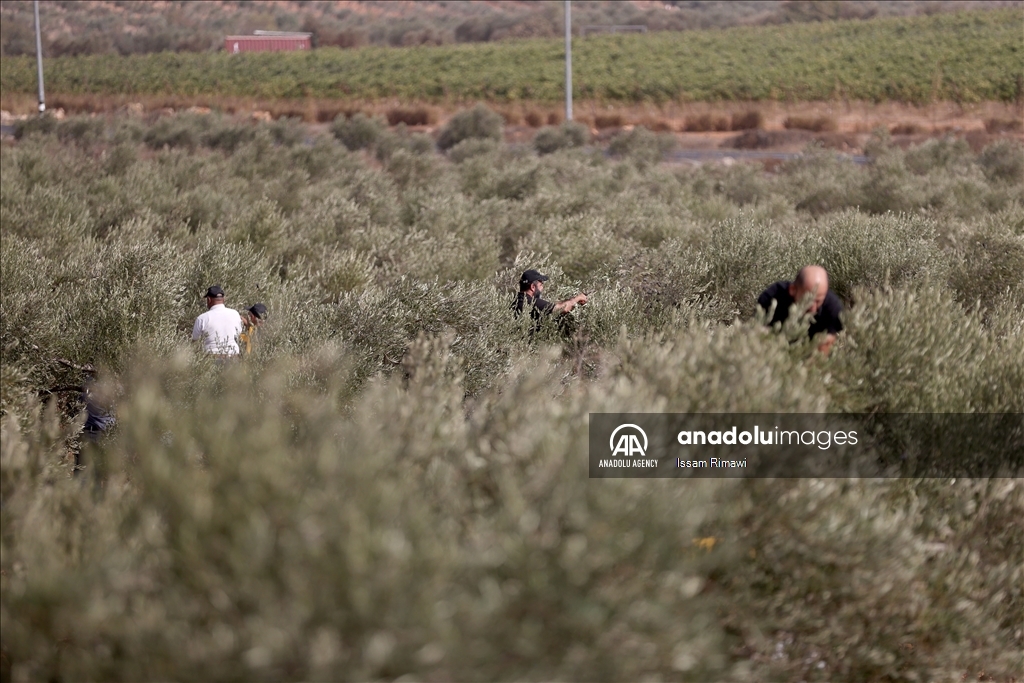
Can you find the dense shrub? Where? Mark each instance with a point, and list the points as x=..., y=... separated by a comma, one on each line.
x=357, y=132
x=890, y=185
x=830, y=567
x=477, y=123
x=44, y=124
x=1003, y=160
x=390, y=142
x=471, y=148
x=642, y=146
x=393, y=484
x=888, y=251
x=947, y=360
x=988, y=262
x=553, y=138
x=948, y=154
x=178, y=131
x=515, y=178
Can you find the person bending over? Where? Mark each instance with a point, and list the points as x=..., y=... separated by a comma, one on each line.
x=810, y=286
x=251, y=320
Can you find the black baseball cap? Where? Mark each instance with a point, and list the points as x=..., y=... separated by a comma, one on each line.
x=214, y=292
x=259, y=310
x=529, y=277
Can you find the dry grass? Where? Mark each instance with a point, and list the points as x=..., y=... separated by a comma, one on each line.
x=907, y=128
x=534, y=118
x=660, y=125
x=1004, y=125
x=532, y=114
x=309, y=110
x=609, y=121
x=818, y=124
x=418, y=116
x=691, y=117
x=752, y=119
x=707, y=123
x=511, y=117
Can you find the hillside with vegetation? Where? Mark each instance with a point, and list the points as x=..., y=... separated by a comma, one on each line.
x=963, y=57
x=83, y=27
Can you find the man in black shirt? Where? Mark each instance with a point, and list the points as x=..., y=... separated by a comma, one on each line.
x=811, y=282
x=531, y=286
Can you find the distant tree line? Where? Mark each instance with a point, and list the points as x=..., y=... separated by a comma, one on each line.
x=132, y=27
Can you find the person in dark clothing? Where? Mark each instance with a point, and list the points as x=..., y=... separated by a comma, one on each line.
x=99, y=417
x=531, y=286
x=99, y=420
x=810, y=285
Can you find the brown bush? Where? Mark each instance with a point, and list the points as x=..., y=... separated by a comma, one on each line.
x=608, y=120
x=706, y=123
x=410, y=117
x=329, y=110
x=534, y=119
x=554, y=118
x=511, y=117
x=750, y=120
x=818, y=124
x=659, y=125
x=1004, y=126
x=752, y=139
x=906, y=128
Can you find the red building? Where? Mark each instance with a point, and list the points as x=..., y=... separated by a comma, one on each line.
x=268, y=41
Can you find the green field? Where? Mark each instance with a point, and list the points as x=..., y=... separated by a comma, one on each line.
x=395, y=484
x=963, y=57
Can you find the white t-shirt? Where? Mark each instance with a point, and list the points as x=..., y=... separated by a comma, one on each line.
x=218, y=328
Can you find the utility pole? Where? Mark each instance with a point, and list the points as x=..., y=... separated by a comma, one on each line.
x=568, y=60
x=39, y=58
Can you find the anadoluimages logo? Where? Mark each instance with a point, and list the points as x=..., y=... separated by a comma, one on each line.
x=628, y=444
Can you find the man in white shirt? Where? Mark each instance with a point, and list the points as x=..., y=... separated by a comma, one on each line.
x=219, y=327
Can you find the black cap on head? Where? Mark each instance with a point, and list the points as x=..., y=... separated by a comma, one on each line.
x=529, y=277
x=259, y=310
x=214, y=292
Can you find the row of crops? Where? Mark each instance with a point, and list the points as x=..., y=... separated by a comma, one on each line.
x=963, y=57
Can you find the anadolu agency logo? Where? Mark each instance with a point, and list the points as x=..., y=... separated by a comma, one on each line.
x=628, y=446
